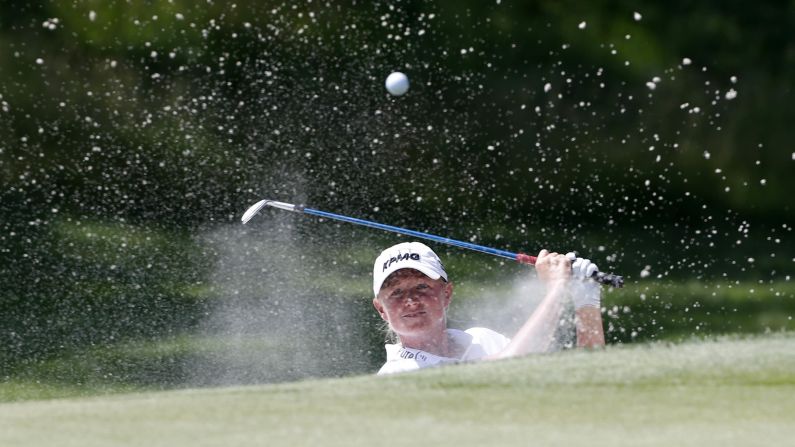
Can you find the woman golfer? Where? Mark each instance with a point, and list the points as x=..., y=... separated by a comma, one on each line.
x=412, y=294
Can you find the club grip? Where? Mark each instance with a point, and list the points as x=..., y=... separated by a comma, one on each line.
x=525, y=259
x=607, y=279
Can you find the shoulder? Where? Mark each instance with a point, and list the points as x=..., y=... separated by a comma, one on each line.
x=482, y=334
x=480, y=342
x=490, y=342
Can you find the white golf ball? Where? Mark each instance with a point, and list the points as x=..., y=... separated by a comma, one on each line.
x=397, y=83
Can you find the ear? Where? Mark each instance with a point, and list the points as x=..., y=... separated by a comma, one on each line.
x=380, y=309
x=447, y=293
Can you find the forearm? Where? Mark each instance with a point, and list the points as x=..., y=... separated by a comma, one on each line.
x=590, y=333
x=538, y=332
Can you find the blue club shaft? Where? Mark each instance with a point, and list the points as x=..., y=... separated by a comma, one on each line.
x=601, y=277
x=419, y=234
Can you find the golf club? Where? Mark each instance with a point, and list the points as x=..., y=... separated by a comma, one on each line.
x=601, y=277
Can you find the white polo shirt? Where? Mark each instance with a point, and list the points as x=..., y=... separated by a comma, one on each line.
x=479, y=342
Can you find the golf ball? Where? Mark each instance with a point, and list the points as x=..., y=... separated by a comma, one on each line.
x=397, y=83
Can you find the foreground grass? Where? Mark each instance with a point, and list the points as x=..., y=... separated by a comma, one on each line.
x=725, y=392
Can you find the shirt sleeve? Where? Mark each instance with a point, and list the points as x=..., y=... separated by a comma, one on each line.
x=490, y=341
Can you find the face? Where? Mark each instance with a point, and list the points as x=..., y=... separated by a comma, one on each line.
x=413, y=303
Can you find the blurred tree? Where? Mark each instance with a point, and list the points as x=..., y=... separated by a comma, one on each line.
x=642, y=132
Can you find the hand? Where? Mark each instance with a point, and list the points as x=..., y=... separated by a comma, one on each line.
x=581, y=268
x=584, y=290
x=552, y=267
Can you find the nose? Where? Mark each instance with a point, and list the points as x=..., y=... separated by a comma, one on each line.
x=411, y=298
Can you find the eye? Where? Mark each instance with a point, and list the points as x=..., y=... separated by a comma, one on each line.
x=396, y=294
x=423, y=289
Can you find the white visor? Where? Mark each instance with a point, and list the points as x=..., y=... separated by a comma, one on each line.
x=408, y=255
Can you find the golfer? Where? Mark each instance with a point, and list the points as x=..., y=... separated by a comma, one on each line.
x=412, y=293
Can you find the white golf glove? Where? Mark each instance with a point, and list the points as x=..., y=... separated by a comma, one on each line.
x=584, y=290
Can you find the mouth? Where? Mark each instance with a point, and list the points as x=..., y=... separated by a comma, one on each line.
x=414, y=314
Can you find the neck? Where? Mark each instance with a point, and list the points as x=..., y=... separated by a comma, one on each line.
x=437, y=343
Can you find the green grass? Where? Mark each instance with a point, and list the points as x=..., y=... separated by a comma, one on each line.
x=726, y=392
x=31, y=389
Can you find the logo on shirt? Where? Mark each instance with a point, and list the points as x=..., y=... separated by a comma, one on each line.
x=406, y=354
x=399, y=257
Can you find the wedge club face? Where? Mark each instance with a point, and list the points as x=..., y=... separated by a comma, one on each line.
x=253, y=210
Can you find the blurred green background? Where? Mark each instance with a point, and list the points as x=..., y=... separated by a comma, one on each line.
x=655, y=139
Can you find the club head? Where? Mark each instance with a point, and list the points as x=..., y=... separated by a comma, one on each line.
x=253, y=210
